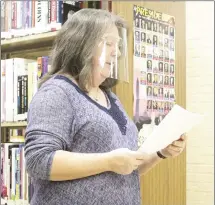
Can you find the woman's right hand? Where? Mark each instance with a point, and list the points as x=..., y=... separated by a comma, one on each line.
x=124, y=161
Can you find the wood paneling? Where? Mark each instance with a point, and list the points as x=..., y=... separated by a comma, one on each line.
x=166, y=183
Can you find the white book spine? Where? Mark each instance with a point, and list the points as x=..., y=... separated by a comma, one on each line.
x=9, y=90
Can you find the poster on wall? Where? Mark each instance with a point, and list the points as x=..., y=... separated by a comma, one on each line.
x=154, y=68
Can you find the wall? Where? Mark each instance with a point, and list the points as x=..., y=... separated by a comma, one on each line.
x=200, y=98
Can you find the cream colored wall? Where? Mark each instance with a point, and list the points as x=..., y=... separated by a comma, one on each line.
x=200, y=98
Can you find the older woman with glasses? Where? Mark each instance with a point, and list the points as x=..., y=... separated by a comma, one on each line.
x=81, y=147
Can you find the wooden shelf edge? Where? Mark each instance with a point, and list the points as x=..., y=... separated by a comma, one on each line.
x=26, y=42
x=14, y=124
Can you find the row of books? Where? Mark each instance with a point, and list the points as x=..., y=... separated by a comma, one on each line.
x=25, y=17
x=16, y=184
x=19, y=83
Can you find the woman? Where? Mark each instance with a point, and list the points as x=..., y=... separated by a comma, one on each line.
x=81, y=147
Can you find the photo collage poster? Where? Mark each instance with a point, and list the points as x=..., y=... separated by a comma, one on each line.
x=154, y=68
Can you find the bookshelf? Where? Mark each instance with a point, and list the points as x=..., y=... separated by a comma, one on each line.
x=30, y=46
x=14, y=124
x=34, y=41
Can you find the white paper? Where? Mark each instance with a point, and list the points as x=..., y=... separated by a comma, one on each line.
x=177, y=122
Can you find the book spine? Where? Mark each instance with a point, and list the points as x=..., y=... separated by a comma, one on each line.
x=39, y=67
x=19, y=13
x=14, y=15
x=49, y=12
x=17, y=193
x=33, y=14
x=25, y=94
x=22, y=95
x=3, y=9
x=53, y=11
x=19, y=92
x=38, y=11
x=27, y=23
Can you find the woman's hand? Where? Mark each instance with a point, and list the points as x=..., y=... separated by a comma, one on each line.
x=124, y=161
x=176, y=148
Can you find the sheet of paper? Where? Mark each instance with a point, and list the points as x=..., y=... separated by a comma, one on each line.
x=177, y=122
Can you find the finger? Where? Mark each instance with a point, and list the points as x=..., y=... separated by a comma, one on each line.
x=175, y=148
x=178, y=143
x=183, y=137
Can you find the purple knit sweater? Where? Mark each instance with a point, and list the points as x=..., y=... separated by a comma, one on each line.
x=62, y=117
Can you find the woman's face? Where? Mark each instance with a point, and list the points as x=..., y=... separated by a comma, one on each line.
x=105, y=56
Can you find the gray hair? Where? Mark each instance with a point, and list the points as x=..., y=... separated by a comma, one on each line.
x=74, y=45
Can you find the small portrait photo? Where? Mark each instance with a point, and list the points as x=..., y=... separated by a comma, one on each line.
x=161, y=54
x=166, y=93
x=161, y=28
x=172, y=82
x=166, y=80
x=137, y=36
x=160, y=41
x=149, y=65
x=143, y=37
x=160, y=93
x=172, y=32
x=166, y=42
x=149, y=38
x=166, y=30
x=158, y=119
x=149, y=104
x=160, y=82
x=149, y=78
x=137, y=23
x=166, y=55
x=149, y=91
x=155, y=66
x=172, y=70
x=155, y=53
x=143, y=51
x=172, y=45
x=166, y=106
x=155, y=79
x=155, y=105
x=137, y=49
x=155, y=40
x=155, y=91
x=149, y=52
x=155, y=26
x=160, y=67
x=149, y=25
x=172, y=94
x=166, y=68
x=143, y=24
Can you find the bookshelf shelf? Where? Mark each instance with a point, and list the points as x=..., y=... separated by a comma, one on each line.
x=13, y=124
x=33, y=41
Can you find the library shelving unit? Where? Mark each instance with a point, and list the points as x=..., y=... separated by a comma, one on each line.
x=30, y=46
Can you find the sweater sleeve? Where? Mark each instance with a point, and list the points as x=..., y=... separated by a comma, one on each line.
x=50, y=128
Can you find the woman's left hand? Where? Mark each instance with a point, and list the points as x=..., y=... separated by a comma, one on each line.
x=176, y=148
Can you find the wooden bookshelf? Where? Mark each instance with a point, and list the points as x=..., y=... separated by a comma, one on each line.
x=34, y=41
x=13, y=124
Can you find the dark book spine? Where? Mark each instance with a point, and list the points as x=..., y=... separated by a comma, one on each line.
x=19, y=88
x=49, y=12
x=22, y=96
x=25, y=93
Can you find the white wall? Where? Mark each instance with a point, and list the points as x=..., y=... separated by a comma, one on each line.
x=200, y=98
